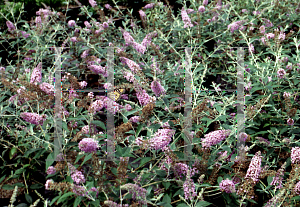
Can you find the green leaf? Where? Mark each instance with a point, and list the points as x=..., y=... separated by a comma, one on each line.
x=78, y=157
x=12, y=152
x=53, y=200
x=145, y=160
x=166, y=185
x=28, y=198
x=22, y=205
x=203, y=204
x=65, y=126
x=161, y=173
x=20, y=185
x=89, y=156
x=297, y=198
x=77, y=201
x=220, y=179
x=99, y=123
x=64, y=196
x=49, y=160
x=2, y=178
x=19, y=171
x=36, y=186
x=182, y=205
x=30, y=151
x=139, y=129
x=7, y=187
x=167, y=199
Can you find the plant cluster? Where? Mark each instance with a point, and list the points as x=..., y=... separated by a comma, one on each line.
x=156, y=117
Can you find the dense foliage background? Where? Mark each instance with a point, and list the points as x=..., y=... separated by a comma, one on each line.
x=150, y=66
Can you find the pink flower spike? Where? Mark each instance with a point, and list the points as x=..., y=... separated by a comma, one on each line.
x=93, y=3
x=185, y=18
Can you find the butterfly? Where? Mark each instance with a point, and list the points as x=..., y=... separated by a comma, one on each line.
x=116, y=95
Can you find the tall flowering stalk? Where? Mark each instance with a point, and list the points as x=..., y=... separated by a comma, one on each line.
x=277, y=180
x=36, y=75
x=214, y=137
x=88, y=145
x=185, y=18
x=295, y=155
x=157, y=89
x=148, y=38
x=137, y=192
x=227, y=186
x=161, y=138
x=134, y=67
x=33, y=118
x=189, y=187
x=255, y=167
x=11, y=27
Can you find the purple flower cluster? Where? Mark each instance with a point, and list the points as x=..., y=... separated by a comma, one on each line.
x=93, y=3
x=149, y=6
x=142, y=14
x=98, y=69
x=91, y=95
x=251, y=47
x=295, y=155
x=134, y=119
x=72, y=94
x=278, y=177
x=235, y=26
x=262, y=29
x=189, y=187
x=157, y=88
x=96, y=106
x=47, y=88
x=143, y=97
x=24, y=34
x=128, y=107
x=33, y=118
x=281, y=73
x=248, y=86
x=297, y=188
x=51, y=170
x=79, y=190
x=286, y=95
x=88, y=145
x=131, y=64
x=139, y=47
x=227, y=185
x=137, y=192
x=71, y=23
x=270, y=35
x=290, y=121
x=281, y=36
x=48, y=183
x=161, y=138
x=36, y=75
x=185, y=18
x=148, y=38
x=109, y=104
x=107, y=6
x=114, y=204
x=10, y=26
x=255, y=167
x=129, y=76
x=214, y=137
x=78, y=177
x=182, y=169
x=127, y=37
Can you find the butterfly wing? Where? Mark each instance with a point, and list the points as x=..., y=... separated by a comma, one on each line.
x=116, y=95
